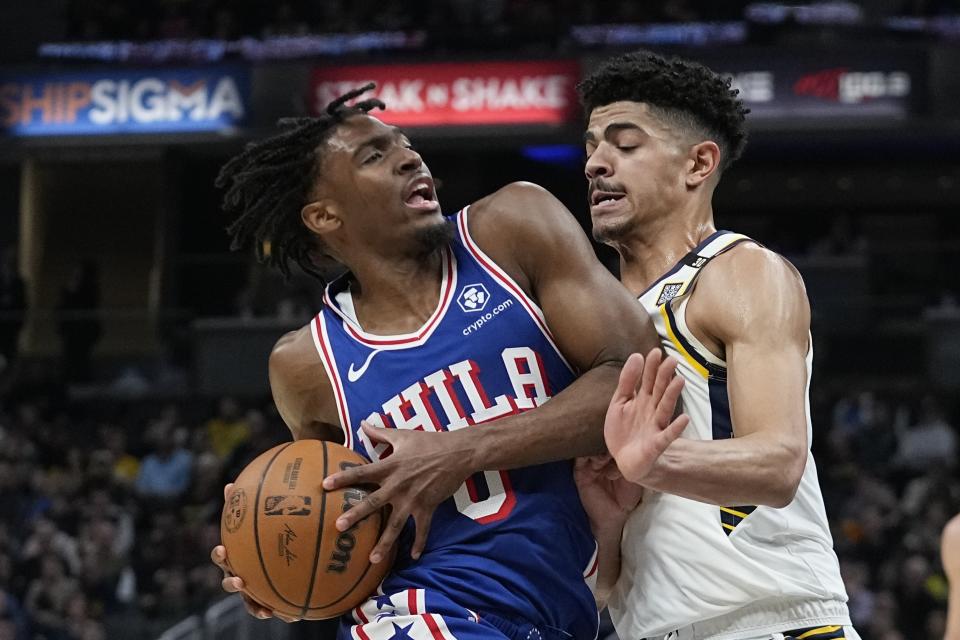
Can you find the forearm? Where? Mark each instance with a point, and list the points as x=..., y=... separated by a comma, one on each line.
x=567, y=426
x=608, y=563
x=754, y=469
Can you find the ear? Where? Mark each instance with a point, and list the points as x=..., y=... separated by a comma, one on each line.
x=321, y=216
x=704, y=162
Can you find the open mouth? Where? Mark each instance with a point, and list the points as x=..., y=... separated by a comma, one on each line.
x=421, y=194
x=601, y=199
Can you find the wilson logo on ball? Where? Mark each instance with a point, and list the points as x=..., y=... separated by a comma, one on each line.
x=473, y=297
x=286, y=506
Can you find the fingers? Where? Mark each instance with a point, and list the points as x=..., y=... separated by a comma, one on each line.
x=255, y=609
x=665, y=373
x=612, y=472
x=232, y=584
x=366, y=507
x=600, y=462
x=365, y=473
x=674, y=429
x=650, y=370
x=389, y=536
x=422, y=528
x=668, y=402
x=629, y=376
x=218, y=556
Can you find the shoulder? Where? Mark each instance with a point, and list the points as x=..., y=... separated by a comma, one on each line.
x=521, y=207
x=301, y=389
x=751, y=288
x=522, y=225
x=293, y=355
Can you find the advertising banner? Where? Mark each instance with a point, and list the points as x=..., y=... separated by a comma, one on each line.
x=451, y=94
x=839, y=85
x=128, y=101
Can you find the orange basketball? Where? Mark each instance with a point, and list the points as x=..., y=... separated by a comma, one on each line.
x=279, y=530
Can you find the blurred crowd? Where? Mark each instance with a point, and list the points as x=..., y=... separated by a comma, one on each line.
x=887, y=468
x=109, y=514
x=519, y=19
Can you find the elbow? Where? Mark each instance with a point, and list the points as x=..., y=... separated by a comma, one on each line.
x=786, y=477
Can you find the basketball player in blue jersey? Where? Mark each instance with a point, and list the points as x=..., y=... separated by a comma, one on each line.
x=500, y=316
x=730, y=540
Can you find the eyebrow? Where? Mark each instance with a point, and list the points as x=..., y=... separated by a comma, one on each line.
x=381, y=139
x=611, y=129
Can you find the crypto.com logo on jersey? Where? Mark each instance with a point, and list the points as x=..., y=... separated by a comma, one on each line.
x=443, y=94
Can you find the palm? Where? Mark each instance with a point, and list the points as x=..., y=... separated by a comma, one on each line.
x=639, y=425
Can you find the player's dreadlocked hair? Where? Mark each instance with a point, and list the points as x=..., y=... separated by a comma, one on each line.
x=268, y=184
x=679, y=89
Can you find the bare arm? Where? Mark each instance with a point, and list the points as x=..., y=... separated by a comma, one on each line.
x=596, y=325
x=950, y=556
x=750, y=305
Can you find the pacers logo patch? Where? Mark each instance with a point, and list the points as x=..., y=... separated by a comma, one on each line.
x=669, y=292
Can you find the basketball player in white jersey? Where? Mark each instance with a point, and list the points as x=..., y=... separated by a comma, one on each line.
x=950, y=556
x=730, y=540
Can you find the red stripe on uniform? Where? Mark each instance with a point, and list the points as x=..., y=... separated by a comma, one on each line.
x=335, y=380
x=360, y=615
x=362, y=634
x=445, y=297
x=593, y=569
x=520, y=295
x=434, y=627
x=412, y=601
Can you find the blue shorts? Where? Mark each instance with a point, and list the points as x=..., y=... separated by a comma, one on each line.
x=417, y=614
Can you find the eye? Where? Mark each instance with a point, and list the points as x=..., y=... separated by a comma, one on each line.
x=627, y=147
x=373, y=157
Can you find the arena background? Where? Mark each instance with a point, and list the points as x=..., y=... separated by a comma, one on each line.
x=133, y=375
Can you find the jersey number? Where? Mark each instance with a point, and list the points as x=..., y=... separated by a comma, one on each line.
x=496, y=506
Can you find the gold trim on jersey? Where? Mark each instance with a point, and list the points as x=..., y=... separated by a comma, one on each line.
x=821, y=633
x=699, y=368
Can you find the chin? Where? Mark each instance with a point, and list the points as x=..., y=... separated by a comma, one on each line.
x=435, y=235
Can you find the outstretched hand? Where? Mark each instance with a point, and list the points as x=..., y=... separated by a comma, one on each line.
x=423, y=470
x=640, y=425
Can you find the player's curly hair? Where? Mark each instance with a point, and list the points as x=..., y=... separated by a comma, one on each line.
x=685, y=91
x=268, y=184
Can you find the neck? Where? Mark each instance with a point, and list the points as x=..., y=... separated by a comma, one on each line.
x=652, y=249
x=396, y=296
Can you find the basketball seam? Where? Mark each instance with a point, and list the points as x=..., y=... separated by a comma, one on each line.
x=320, y=526
x=256, y=526
x=349, y=591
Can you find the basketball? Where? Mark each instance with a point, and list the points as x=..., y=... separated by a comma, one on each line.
x=279, y=530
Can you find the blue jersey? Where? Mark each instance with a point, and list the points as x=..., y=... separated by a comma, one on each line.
x=513, y=543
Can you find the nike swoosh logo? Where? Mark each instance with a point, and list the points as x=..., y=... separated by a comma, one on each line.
x=355, y=374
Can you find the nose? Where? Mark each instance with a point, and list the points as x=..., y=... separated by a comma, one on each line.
x=598, y=164
x=410, y=161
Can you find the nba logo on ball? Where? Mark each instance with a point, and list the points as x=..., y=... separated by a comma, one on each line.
x=286, y=506
x=473, y=297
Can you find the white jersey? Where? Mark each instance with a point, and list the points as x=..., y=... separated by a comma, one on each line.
x=722, y=571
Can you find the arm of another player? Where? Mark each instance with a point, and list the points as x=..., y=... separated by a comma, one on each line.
x=751, y=304
x=303, y=396
x=950, y=557
x=596, y=325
